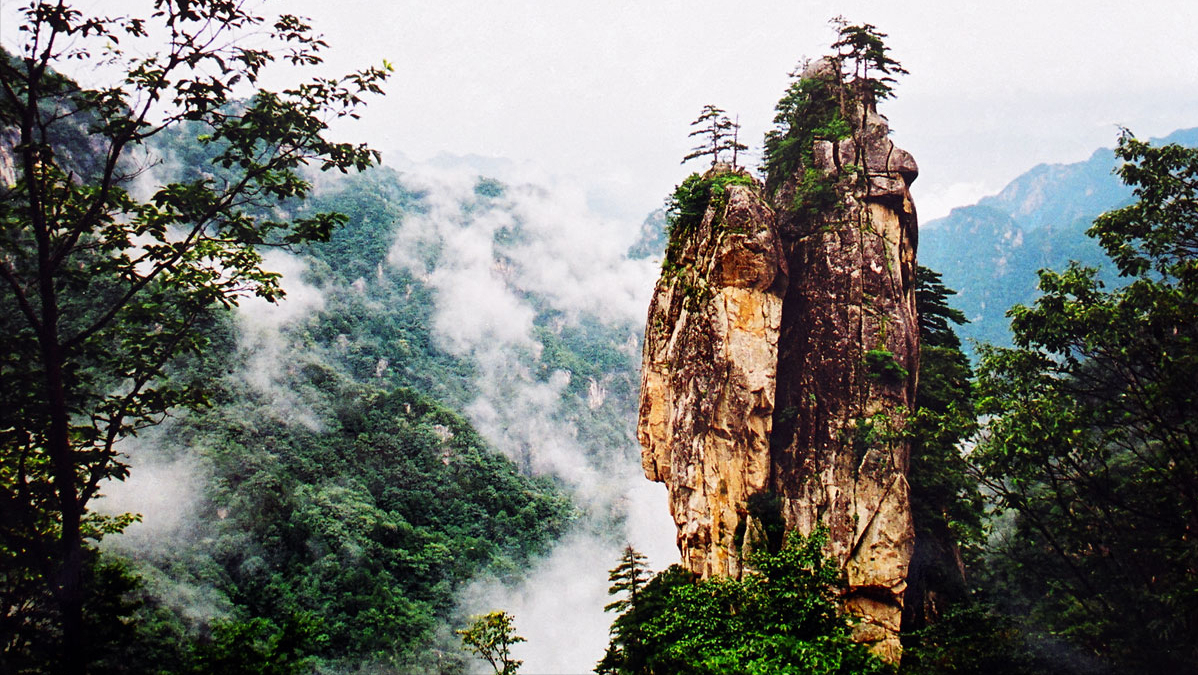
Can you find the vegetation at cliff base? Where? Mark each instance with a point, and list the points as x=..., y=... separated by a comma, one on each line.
x=946, y=504
x=781, y=617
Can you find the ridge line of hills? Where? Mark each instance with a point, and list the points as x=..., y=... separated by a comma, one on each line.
x=989, y=252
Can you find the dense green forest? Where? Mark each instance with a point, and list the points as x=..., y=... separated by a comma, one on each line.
x=344, y=499
x=325, y=496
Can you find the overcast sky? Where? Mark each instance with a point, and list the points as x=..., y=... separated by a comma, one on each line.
x=604, y=90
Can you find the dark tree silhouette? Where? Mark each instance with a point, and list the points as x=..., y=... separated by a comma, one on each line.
x=721, y=134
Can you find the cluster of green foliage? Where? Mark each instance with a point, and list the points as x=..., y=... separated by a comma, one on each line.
x=783, y=617
x=1091, y=443
x=948, y=627
x=819, y=108
x=809, y=111
x=692, y=198
x=685, y=210
x=105, y=292
x=946, y=504
x=863, y=48
x=345, y=522
x=878, y=430
x=696, y=194
x=972, y=637
x=491, y=637
x=1086, y=455
x=880, y=364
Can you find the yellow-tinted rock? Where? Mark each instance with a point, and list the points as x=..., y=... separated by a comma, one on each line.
x=707, y=394
x=780, y=357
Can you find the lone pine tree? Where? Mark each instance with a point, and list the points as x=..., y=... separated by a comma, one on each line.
x=722, y=135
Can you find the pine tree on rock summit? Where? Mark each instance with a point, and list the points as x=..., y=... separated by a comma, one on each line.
x=721, y=132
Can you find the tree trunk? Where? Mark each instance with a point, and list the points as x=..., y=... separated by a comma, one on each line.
x=67, y=580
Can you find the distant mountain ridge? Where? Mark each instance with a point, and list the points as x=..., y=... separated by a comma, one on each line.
x=990, y=252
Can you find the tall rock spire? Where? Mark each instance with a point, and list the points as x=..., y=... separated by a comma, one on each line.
x=780, y=361
x=848, y=358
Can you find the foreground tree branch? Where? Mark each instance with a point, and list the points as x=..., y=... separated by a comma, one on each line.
x=104, y=291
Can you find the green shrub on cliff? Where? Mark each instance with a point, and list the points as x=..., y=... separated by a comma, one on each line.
x=809, y=111
x=818, y=106
x=691, y=199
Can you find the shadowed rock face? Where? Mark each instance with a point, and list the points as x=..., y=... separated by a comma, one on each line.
x=793, y=375
x=848, y=355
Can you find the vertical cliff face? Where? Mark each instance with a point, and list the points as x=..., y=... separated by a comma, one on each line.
x=846, y=371
x=707, y=394
x=792, y=380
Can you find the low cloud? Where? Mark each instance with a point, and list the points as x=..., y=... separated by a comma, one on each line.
x=558, y=607
x=166, y=488
x=493, y=262
x=267, y=354
x=936, y=200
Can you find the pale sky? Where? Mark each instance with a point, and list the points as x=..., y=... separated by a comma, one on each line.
x=604, y=90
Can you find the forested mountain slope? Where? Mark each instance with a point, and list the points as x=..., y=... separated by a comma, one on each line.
x=343, y=476
x=368, y=444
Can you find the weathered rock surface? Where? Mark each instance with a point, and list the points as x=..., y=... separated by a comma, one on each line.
x=794, y=376
x=707, y=392
x=8, y=167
